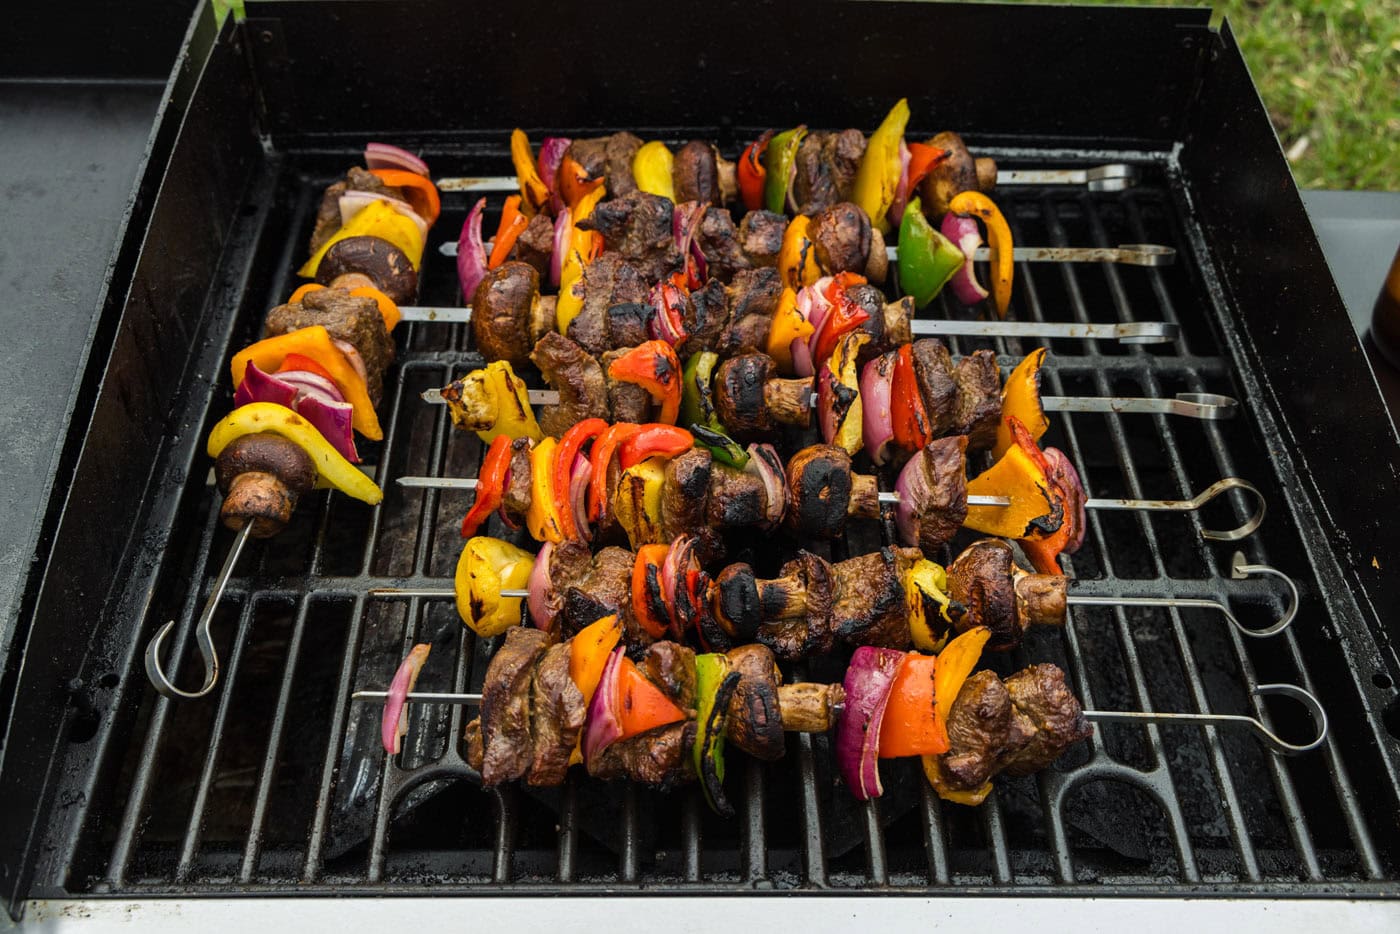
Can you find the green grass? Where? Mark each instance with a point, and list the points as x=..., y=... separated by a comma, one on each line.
x=1329, y=72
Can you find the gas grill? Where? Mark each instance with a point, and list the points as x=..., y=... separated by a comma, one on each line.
x=276, y=783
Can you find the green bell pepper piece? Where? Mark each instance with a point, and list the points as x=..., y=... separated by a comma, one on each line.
x=698, y=410
x=927, y=259
x=715, y=685
x=777, y=161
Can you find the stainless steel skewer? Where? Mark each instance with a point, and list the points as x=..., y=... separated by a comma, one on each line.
x=203, y=637
x=1269, y=738
x=1114, y=176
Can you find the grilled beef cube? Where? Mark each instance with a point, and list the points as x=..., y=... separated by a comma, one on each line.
x=502, y=307
x=517, y=494
x=980, y=579
x=328, y=214
x=569, y=564
x=1041, y=694
x=628, y=401
x=627, y=323
x=796, y=608
x=751, y=299
x=605, y=589
x=706, y=314
x=978, y=409
x=695, y=173
x=671, y=667
x=984, y=728
x=659, y=757
x=761, y=237
x=755, y=716
x=535, y=245
x=943, y=509
x=558, y=715
x=736, y=498
x=684, y=495
x=505, y=706
x=350, y=319
x=841, y=235
x=607, y=281
x=609, y=158
x=933, y=370
x=868, y=605
x=826, y=167
x=583, y=390
x=719, y=241
x=638, y=228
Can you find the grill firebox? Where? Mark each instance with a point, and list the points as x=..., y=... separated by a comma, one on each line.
x=277, y=782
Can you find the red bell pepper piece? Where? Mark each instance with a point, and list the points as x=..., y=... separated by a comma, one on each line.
x=912, y=430
x=490, y=485
x=845, y=316
x=923, y=159
x=570, y=446
x=604, y=447
x=672, y=306
x=654, y=366
x=304, y=364
x=651, y=440
x=641, y=706
x=648, y=604
x=752, y=172
x=513, y=224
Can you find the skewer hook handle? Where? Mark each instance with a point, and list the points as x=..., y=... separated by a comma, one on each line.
x=1276, y=743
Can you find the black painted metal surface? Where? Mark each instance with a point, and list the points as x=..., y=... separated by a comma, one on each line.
x=276, y=783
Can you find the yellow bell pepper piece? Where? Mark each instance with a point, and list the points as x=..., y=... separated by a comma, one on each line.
x=584, y=245
x=925, y=583
x=933, y=771
x=955, y=663
x=1020, y=396
x=844, y=366
x=375, y=219
x=797, y=258
x=570, y=301
x=999, y=245
x=637, y=502
x=651, y=168
x=332, y=470
x=534, y=193
x=486, y=567
x=493, y=401
x=542, y=518
x=877, y=179
x=314, y=342
x=788, y=325
x=1016, y=476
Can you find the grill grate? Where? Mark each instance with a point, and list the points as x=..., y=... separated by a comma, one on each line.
x=278, y=780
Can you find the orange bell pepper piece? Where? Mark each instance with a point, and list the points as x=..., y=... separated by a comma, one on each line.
x=654, y=366
x=314, y=342
x=533, y=191
x=513, y=224
x=1021, y=475
x=797, y=258
x=588, y=656
x=911, y=726
x=387, y=309
x=1020, y=397
x=788, y=325
x=302, y=291
x=999, y=244
x=648, y=556
x=574, y=182
x=923, y=159
x=421, y=193
x=641, y=705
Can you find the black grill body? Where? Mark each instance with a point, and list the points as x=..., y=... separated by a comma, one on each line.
x=276, y=783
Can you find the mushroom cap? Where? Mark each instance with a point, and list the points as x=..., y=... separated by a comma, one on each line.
x=375, y=257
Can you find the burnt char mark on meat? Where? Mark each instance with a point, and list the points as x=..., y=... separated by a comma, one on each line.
x=517, y=495
x=557, y=719
x=944, y=462
x=736, y=498
x=841, y=235
x=627, y=323
x=659, y=758
x=868, y=606
x=683, y=496
x=980, y=579
x=671, y=667
x=328, y=214
x=603, y=590
x=719, y=241
x=505, y=706
x=761, y=237
x=755, y=717
x=819, y=491
x=609, y=158
x=751, y=300
x=706, y=315
x=978, y=410
x=983, y=728
x=607, y=281
x=933, y=370
x=569, y=563
x=350, y=318
x=629, y=402
x=583, y=390
x=476, y=752
x=1041, y=694
x=638, y=228
x=826, y=167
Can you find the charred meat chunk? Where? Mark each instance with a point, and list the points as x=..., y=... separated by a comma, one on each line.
x=868, y=603
x=583, y=390
x=825, y=169
x=671, y=667
x=505, y=706
x=983, y=728
x=978, y=409
x=719, y=241
x=1041, y=694
x=933, y=370
x=535, y=245
x=761, y=237
x=751, y=299
x=940, y=487
x=706, y=314
x=501, y=310
x=607, y=281
x=629, y=402
x=627, y=323
x=604, y=589
x=559, y=713
x=349, y=319
x=609, y=158
x=328, y=214
x=841, y=235
x=659, y=758
x=638, y=228
x=516, y=501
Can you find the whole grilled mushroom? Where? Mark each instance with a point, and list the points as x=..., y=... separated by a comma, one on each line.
x=841, y=235
x=385, y=264
x=262, y=476
x=502, y=309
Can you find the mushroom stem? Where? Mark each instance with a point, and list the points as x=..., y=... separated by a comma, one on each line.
x=810, y=707
x=789, y=400
x=865, y=497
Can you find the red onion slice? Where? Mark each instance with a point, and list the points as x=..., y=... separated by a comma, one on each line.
x=258, y=386
x=538, y=588
x=877, y=414
x=563, y=228
x=768, y=466
x=471, y=253
x=966, y=236
x=311, y=396
x=1063, y=475
x=901, y=191
x=826, y=403
x=868, y=682
x=384, y=156
x=661, y=326
x=312, y=385
x=579, y=476
x=353, y=202
x=801, y=357
x=393, y=723
x=914, y=492
x=352, y=355
x=552, y=152
x=604, y=727
x=335, y=422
